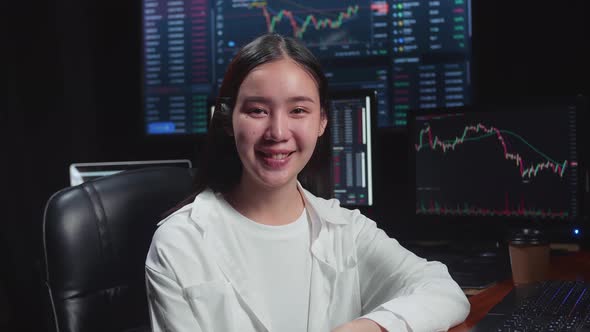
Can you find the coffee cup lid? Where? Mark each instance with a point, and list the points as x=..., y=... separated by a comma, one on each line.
x=528, y=236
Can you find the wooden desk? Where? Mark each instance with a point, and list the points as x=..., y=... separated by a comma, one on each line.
x=573, y=266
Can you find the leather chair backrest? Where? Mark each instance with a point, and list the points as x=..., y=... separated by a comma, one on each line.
x=96, y=237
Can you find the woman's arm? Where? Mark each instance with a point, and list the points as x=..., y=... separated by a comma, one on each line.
x=360, y=325
x=400, y=287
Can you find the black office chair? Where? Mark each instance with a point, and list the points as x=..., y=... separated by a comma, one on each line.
x=95, y=241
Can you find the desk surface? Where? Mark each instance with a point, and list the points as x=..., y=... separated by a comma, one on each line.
x=573, y=266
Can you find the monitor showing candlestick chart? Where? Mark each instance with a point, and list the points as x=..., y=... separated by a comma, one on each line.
x=415, y=54
x=509, y=162
x=328, y=28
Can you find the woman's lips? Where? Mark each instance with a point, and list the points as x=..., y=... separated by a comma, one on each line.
x=275, y=159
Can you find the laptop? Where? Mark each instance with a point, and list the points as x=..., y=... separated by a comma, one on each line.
x=83, y=172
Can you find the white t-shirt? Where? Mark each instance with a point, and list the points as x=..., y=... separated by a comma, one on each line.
x=278, y=259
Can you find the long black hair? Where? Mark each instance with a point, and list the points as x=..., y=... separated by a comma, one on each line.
x=221, y=167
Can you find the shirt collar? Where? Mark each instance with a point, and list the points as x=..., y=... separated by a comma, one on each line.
x=206, y=210
x=328, y=210
x=203, y=208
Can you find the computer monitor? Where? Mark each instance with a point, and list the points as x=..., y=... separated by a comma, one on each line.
x=370, y=76
x=484, y=171
x=421, y=50
x=431, y=58
x=83, y=172
x=176, y=67
x=352, y=120
x=416, y=54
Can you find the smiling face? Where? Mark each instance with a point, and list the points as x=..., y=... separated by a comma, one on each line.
x=276, y=121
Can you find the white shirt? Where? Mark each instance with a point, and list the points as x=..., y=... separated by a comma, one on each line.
x=279, y=262
x=197, y=280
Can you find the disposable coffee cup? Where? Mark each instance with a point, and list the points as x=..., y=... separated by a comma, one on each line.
x=529, y=256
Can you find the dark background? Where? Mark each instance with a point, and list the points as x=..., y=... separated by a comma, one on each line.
x=73, y=94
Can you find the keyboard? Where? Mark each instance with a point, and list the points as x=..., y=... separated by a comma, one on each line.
x=548, y=306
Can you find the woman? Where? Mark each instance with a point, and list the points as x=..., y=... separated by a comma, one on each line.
x=254, y=251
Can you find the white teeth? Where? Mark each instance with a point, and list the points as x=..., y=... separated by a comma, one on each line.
x=279, y=156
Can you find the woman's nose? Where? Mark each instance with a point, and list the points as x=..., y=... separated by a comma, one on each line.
x=278, y=128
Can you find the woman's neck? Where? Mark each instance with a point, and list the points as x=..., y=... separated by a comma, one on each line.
x=269, y=206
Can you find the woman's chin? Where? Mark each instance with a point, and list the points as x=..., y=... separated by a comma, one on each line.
x=276, y=181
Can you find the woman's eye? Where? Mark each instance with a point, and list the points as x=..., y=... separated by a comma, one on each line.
x=298, y=110
x=256, y=111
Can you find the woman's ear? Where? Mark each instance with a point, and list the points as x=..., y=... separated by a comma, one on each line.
x=323, y=122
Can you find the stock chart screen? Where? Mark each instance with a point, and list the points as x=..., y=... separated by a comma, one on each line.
x=351, y=144
x=176, y=66
x=328, y=28
x=368, y=77
x=431, y=55
x=416, y=54
x=509, y=163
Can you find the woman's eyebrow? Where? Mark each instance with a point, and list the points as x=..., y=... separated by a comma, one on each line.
x=266, y=100
x=257, y=99
x=301, y=98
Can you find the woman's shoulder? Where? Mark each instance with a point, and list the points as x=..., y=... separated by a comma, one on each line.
x=180, y=238
x=175, y=230
x=183, y=220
